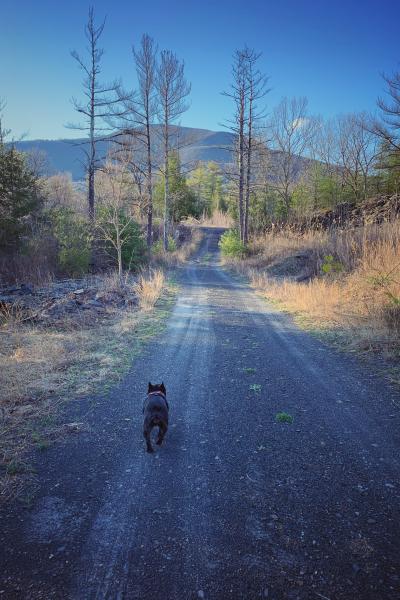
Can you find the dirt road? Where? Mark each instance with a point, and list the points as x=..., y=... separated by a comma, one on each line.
x=236, y=505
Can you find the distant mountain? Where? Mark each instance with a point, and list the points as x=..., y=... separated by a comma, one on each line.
x=195, y=145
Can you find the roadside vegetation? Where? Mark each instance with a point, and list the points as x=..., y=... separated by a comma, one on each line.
x=318, y=227
x=343, y=281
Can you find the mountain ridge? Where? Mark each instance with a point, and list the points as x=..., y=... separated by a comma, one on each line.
x=66, y=155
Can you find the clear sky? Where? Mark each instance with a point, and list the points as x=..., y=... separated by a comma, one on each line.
x=332, y=51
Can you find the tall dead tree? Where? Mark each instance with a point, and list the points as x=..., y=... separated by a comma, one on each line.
x=256, y=89
x=239, y=94
x=248, y=86
x=172, y=91
x=145, y=105
x=95, y=109
x=134, y=119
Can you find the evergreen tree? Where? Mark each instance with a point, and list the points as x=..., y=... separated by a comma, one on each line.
x=19, y=195
x=182, y=200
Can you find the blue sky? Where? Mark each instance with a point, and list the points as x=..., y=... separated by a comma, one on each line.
x=333, y=52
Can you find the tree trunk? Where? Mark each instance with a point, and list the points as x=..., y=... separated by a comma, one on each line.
x=241, y=166
x=248, y=175
x=149, y=189
x=92, y=159
x=166, y=186
x=119, y=255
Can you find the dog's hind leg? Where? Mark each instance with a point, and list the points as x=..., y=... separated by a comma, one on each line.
x=162, y=430
x=146, y=435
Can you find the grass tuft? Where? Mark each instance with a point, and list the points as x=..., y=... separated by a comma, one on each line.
x=283, y=417
x=149, y=288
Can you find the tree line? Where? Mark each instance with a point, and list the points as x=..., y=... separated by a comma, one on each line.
x=290, y=164
x=285, y=163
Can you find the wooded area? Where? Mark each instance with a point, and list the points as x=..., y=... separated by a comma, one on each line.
x=286, y=166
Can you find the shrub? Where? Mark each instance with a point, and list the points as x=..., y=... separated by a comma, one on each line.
x=72, y=233
x=330, y=265
x=230, y=244
x=116, y=229
x=158, y=246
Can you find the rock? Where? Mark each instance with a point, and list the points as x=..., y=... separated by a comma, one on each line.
x=93, y=305
x=77, y=292
x=74, y=427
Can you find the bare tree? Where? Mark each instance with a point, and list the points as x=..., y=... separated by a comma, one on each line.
x=357, y=152
x=291, y=132
x=172, y=90
x=59, y=191
x=257, y=89
x=95, y=109
x=145, y=59
x=248, y=86
x=239, y=94
x=346, y=148
x=135, y=119
x=116, y=201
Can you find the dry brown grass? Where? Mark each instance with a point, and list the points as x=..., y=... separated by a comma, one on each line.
x=149, y=288
x=41, y=367
x=217, y=219
x=348, y=246
x=181, y=254
x=362, y=297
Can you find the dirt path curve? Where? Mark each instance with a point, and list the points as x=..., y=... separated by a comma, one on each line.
x=235, y=505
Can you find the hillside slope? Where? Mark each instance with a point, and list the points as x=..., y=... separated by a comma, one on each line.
x=196, y=145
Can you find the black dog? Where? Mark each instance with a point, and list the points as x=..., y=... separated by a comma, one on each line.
x=155, y=410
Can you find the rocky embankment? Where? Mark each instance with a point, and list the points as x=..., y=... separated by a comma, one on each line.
x=382, y=209
x=68, y=299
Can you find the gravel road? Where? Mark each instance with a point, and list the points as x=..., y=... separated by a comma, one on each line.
x=235, y=505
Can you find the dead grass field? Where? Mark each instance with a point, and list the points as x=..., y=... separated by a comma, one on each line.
x=42, y=367
x=217, y=219
x=349, y=280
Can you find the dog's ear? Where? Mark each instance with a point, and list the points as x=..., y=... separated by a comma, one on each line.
x=162, y=388
x=149, y=389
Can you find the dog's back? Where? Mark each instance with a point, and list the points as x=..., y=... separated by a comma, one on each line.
x=155, y=409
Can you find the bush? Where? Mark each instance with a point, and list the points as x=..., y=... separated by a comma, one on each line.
x=72, y=233
x=330, y=265
x=158, y=246
x=230, y=244
x=132, y=243
x=134, y=249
